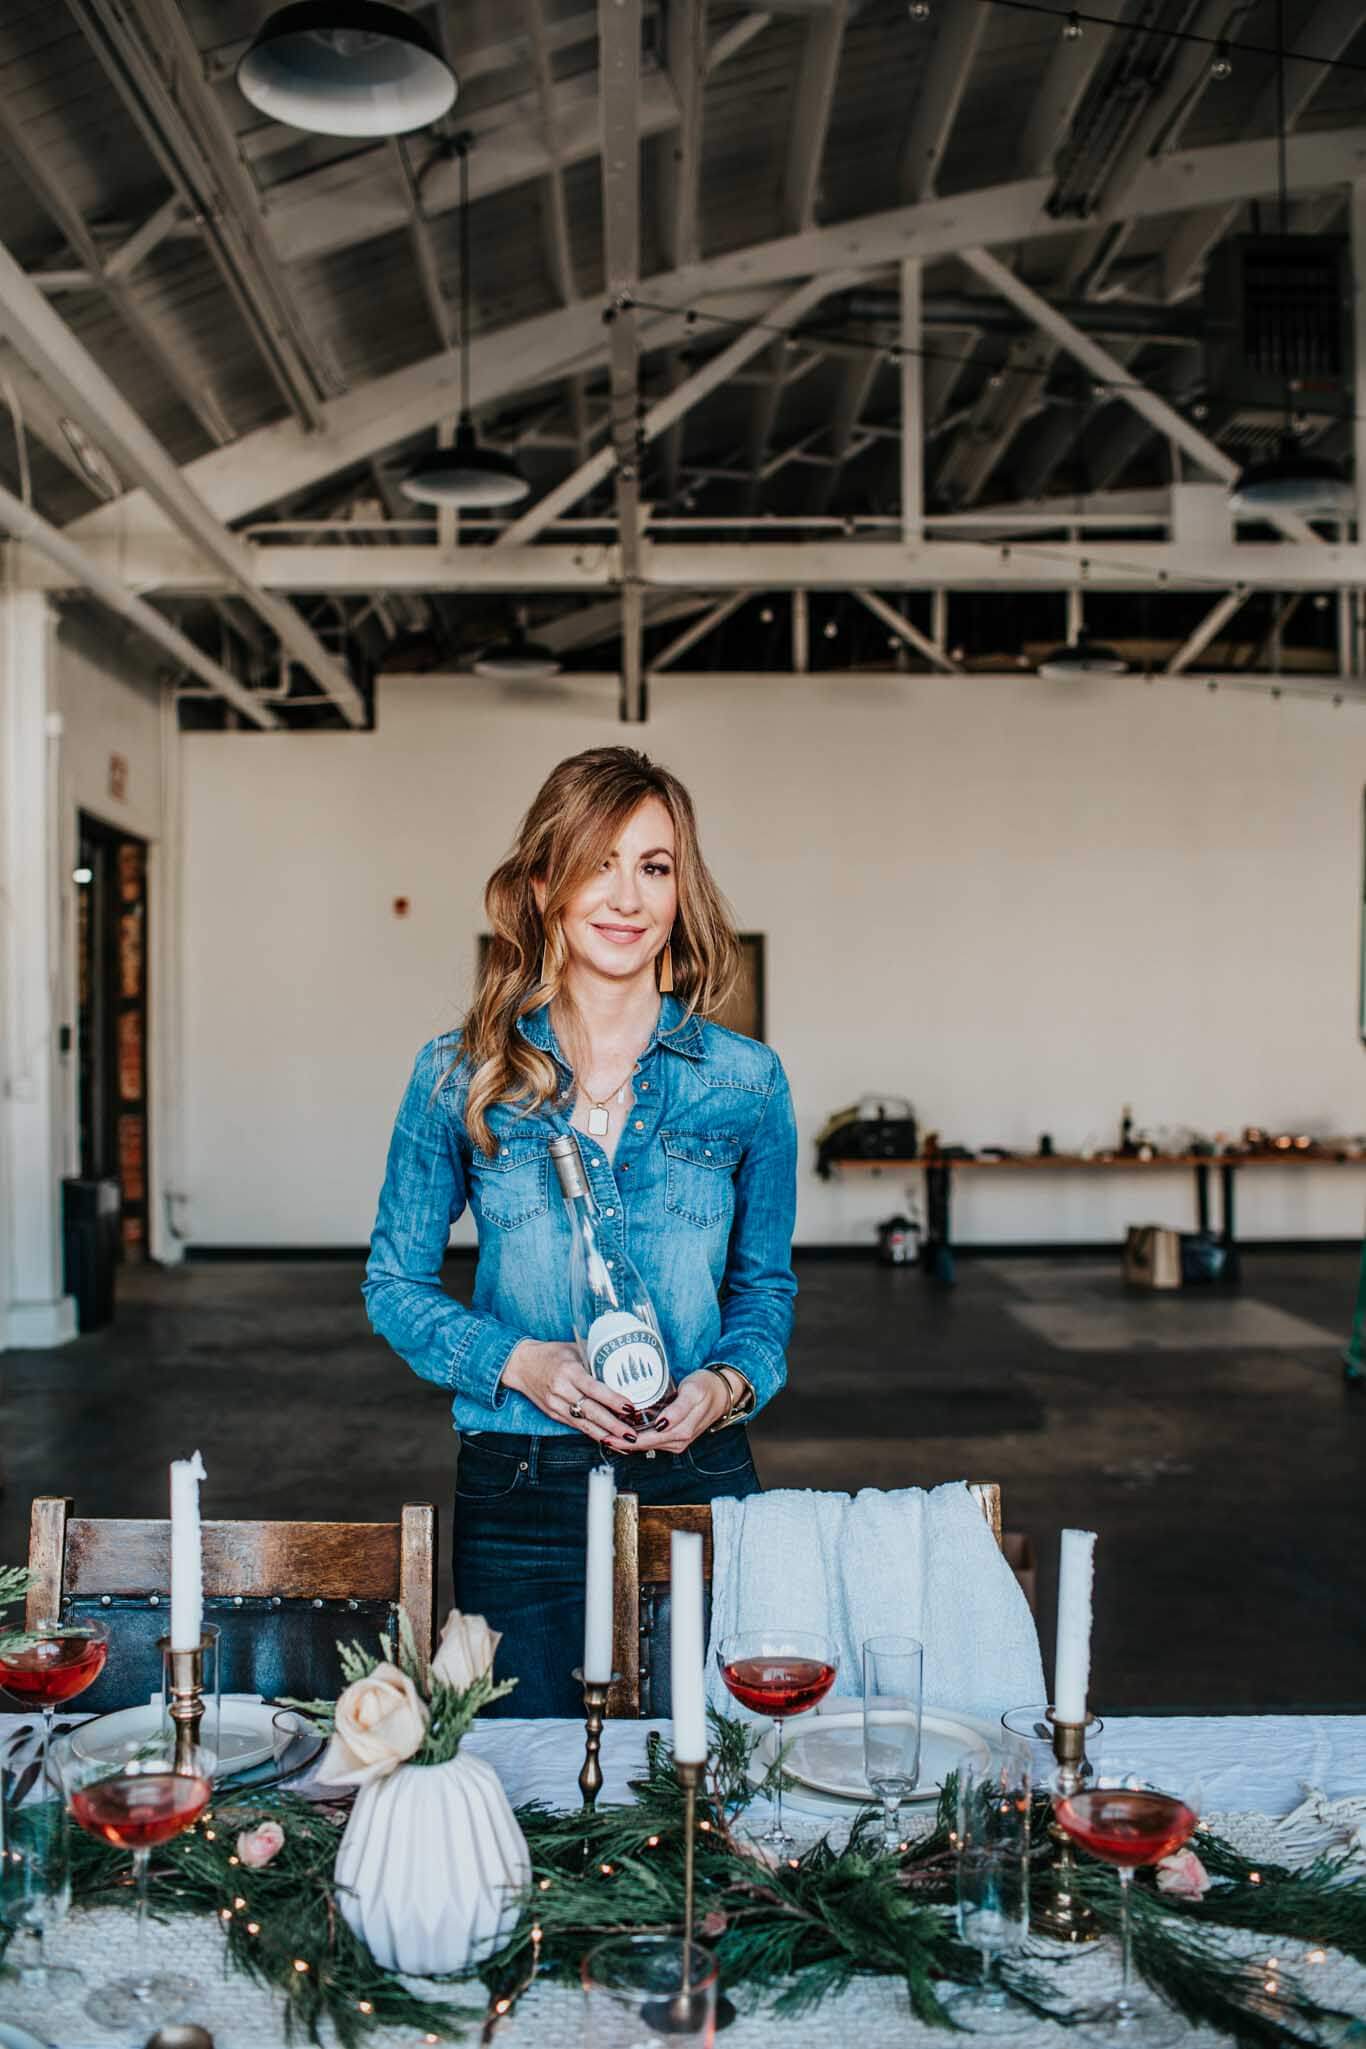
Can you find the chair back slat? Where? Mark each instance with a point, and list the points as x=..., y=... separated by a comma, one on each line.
x=643, y=1533
x=299, y=1561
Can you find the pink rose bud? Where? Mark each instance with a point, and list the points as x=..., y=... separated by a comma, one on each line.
x=1183, y=1875
x=256, y=1846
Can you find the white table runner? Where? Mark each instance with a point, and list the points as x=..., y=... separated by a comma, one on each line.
x=1253, y=1765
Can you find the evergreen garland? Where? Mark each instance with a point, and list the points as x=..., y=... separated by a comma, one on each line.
x=791, y=1934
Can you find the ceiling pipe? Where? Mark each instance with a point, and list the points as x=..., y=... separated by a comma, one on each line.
x=1179, y=325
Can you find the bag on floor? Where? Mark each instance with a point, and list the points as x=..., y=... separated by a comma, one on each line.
x=1152, y=1257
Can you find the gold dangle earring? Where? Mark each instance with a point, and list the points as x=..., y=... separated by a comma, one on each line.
x=666, y=968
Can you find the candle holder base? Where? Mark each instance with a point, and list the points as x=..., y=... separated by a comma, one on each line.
x=1066, y=1918
x=183, y=1678
x=595, y=1692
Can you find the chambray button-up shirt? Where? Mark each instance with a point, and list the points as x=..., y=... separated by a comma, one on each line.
x=701, y=1192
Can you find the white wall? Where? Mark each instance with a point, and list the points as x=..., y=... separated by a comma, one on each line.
x=1020, y=904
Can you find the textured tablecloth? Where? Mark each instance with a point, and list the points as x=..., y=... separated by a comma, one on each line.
x=1251, y=1766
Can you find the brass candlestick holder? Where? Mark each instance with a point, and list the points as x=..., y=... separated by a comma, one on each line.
x=595, y=1692
x=1066, y=1918
x=185, y=1696
x=689, y=1778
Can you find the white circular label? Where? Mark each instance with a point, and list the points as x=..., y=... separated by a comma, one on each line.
x=627, y=1357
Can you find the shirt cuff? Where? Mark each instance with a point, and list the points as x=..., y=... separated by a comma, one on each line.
x=477, y=1367
x=754, y=1359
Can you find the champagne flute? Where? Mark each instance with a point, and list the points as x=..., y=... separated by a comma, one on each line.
x=137, y=1803
x=1129, y=1813
x=893, y=1697
x=778, y=1673
x=991, y=1839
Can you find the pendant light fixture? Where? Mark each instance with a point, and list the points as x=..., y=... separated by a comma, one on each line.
x=465, y=474
x=517, y=659
x=1082, y=657
x=347, y=67
x=1291, y=481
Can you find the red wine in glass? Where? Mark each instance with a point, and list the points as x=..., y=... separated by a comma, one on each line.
x=136, y=1812
x=1126, y=1826
x=778, y=1673
x=54, y=1669
x=779, y=1686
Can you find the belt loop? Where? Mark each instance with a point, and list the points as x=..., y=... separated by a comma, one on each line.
x=533, y=1457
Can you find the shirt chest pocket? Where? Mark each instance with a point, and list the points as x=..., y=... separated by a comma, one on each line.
x=512, y=1187
x=699, y=1176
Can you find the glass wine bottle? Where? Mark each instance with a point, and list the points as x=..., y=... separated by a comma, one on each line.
x=614, y=1320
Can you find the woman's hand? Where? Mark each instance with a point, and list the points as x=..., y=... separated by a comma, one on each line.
x=702, y=1399
x=553, y=1376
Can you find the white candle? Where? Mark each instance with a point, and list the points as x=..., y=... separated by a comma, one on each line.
x=688, y=1654
x=1072, y=1668
x=597, y=1618
x=187, y=1571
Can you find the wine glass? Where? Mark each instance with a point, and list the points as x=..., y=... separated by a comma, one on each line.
x=1129, y=1813
x=991, y=1840
x=648, y=1992
x=893, y=1696
x=778, y=1673
x=135, y=1804
x=35, y=1872
x=47, y=1663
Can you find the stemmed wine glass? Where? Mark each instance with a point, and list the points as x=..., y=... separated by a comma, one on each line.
x=991, y=1838
x=47, y=1663
x=136, y=1804
x=778, y=1672
x=1128, y=1814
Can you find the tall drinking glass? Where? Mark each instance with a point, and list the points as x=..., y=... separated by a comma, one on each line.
x=992, y=1844
x=1131, y=1812
x=646, y=1991
x=778, y=1673
x=35, y=1871
x=893, y=1700
x=136, y=1804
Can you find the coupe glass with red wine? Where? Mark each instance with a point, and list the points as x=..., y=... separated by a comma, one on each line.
x=137, y=1803
x=1131, y=1813
x=778, y=1673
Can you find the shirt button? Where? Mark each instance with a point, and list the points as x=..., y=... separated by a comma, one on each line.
x=639, y=1125
x=706, y=1152
x=609, y=1212
x=643, y=1086
x=625, y=1167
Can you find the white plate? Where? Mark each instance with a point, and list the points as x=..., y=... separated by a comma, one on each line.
x=825, y=1752
x=246, y=1734
x=12, y=2037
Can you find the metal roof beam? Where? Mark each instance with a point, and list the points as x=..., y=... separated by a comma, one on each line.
x=424, y=252
x=698, y=630
x=1058, y=96
x=68, y=370
x=913, y=637
x=937, y=101
x=1326, y=33
x=265, y=465
x=680, y=178
x=619, y=69
x=1209, y=628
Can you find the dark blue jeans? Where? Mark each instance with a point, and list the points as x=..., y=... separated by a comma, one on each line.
x=521, y=1508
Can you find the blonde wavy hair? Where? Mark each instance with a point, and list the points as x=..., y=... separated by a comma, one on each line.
x=570, y=829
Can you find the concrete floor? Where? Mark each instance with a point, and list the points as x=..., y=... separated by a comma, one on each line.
x=1210, y=1439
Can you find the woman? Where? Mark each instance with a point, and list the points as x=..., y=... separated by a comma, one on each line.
x=611, y=945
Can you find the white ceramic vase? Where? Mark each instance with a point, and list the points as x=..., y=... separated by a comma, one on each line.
x=430, y=1867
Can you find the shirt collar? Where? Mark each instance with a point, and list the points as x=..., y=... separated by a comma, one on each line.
x=675, y=1031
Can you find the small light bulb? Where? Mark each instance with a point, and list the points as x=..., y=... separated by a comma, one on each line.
x=300, y=1966
x=83, y=875
x=1071, y=28
x=253, y=1928
x=919, y=10
x=1221, y=65
x=830, y=629
x=765, y=619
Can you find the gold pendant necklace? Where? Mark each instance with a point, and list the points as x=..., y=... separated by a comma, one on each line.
x=599, y=1117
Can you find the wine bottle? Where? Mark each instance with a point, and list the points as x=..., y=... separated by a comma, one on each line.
x=615, y=1326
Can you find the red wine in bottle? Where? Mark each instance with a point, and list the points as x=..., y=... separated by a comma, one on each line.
x=615, y=1325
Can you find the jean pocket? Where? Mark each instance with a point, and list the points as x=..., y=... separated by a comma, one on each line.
x=483, y=1474
x=723, y=1457
x=512, y=1187
x=699, y=1175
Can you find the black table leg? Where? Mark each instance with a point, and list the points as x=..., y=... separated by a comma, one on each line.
x=1233, y=1270
x=938, y=1254
x=1202, y=1198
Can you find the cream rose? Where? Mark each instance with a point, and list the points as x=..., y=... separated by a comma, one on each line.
x=381, y=1721
x=256, y=1846
x=466, y=1650
x=1183, y=1875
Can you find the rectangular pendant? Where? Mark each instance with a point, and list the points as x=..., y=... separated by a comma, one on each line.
x=597, y=1123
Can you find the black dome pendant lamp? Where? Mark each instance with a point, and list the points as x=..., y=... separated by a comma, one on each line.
x=346, y=67
x=465, y=474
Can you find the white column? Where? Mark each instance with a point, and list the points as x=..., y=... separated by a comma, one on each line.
x=166, y=949
x=912, y=405
x=1358, y=211
x=34, y=1310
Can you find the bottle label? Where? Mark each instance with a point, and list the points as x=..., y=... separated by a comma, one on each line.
x=627, y=1357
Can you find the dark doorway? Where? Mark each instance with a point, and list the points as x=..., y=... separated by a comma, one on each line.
x=111, y=950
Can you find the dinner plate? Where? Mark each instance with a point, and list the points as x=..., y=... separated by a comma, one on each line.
x=825, y=1752
x=245, y=1735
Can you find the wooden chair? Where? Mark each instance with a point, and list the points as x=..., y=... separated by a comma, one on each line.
x=280, y=1593
x=641, y=1580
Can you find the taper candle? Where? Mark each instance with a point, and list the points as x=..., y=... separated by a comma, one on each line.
x=187, y=1569
x=687, y=1667
x=1072, y=1666
x=597, y=1618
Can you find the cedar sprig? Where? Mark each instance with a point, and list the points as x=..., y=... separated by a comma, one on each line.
x=451, y=1709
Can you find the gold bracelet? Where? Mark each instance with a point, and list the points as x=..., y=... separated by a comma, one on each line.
x=739, y=1405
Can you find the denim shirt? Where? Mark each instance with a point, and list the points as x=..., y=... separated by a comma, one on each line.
x=701, y=1193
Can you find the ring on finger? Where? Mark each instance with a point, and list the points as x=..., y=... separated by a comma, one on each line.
x=576, y=1409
